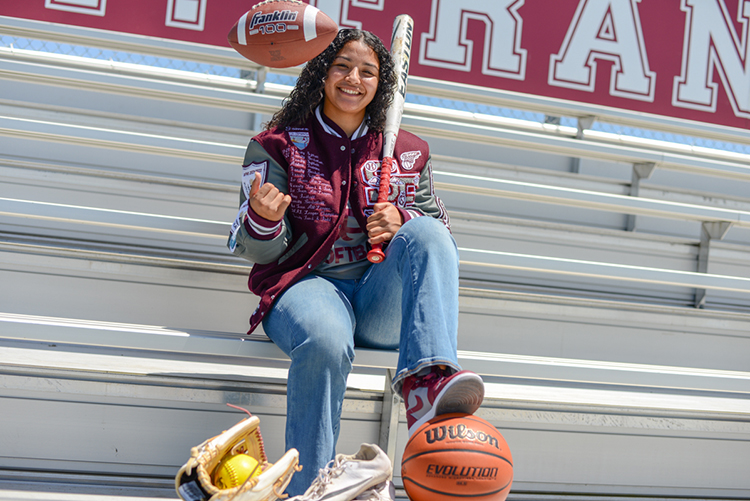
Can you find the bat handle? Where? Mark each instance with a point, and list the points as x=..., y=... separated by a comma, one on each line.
x=376, y=254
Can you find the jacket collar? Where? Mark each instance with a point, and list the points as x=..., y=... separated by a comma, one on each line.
x=331, y=128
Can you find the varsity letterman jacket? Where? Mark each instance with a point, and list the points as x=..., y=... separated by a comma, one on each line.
x=322, y=170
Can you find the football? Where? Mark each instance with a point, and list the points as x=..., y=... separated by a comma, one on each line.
x=282, y=33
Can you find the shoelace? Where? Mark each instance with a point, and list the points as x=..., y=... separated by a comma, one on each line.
x=325, y=475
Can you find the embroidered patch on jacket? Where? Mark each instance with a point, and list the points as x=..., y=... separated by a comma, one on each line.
x=403, y=187
x=300, y=138
x=409, y=159
x=371, y=171
x=248, y=175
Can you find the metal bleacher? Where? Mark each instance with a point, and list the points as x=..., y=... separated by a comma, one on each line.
x=605, y=280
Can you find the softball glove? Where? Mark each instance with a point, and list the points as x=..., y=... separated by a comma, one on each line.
x=194, y=480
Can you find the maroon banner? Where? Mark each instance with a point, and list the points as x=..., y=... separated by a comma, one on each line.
x=686, y=59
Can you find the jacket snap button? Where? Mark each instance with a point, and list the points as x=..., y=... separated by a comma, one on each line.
x=343, y=148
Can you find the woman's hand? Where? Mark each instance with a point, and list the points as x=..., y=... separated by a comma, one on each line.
x=267, y=201
x=384, y=223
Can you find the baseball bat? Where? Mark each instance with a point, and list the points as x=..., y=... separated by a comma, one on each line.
x=403, y=29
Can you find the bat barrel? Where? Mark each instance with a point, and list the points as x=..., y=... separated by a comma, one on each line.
x=403, y=30
x=401, y=39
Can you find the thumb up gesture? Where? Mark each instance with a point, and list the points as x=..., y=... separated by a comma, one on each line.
x=267, y=201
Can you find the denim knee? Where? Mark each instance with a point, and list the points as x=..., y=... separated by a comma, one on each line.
x=430, y=234
x=324, y=342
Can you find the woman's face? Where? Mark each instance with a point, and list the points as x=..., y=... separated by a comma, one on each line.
x=351, y=84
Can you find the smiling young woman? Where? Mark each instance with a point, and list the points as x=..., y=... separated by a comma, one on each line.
x=309, y=211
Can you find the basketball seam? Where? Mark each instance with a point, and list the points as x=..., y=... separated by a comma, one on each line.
x=432, y=451
x=458, y=495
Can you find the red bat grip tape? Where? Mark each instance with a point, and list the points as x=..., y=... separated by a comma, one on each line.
x=376, y=254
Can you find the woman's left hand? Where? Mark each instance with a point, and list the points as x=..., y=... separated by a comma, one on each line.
x=384, y=223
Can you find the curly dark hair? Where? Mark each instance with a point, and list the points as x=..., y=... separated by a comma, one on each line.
x=308, y=93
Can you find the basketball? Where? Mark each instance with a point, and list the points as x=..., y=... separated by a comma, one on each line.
x=457, y=456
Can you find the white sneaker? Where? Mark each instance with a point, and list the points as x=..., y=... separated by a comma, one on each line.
x=346, y=477
x=384, y=491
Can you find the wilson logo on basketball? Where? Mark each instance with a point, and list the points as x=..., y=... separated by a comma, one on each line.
x=468, y=472
x=459, y=432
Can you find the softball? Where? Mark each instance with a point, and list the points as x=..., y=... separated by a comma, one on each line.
x=234, y=470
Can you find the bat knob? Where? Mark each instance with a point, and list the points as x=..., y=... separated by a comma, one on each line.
x=375, y=255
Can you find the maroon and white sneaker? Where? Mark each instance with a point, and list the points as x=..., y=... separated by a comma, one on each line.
x=438, y=393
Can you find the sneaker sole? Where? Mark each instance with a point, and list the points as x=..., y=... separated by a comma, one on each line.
x=463, y=395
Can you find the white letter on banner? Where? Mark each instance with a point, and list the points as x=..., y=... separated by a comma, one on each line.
x=186, y=14
x=338, y=10
x=92, y=7
x=447, y=45
x=712, y=43
x=608, y=30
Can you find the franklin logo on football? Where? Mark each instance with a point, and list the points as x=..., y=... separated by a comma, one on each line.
x=273, y=17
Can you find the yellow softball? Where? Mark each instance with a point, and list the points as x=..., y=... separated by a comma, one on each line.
x=234, y=470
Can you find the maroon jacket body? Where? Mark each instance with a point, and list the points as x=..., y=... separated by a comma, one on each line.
x=322, y=170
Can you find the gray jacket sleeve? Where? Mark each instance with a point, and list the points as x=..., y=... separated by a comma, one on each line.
x=253, y=246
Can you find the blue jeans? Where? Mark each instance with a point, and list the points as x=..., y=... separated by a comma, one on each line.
x=408, y=302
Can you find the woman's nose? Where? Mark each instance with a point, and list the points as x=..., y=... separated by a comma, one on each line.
x=353, y=75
